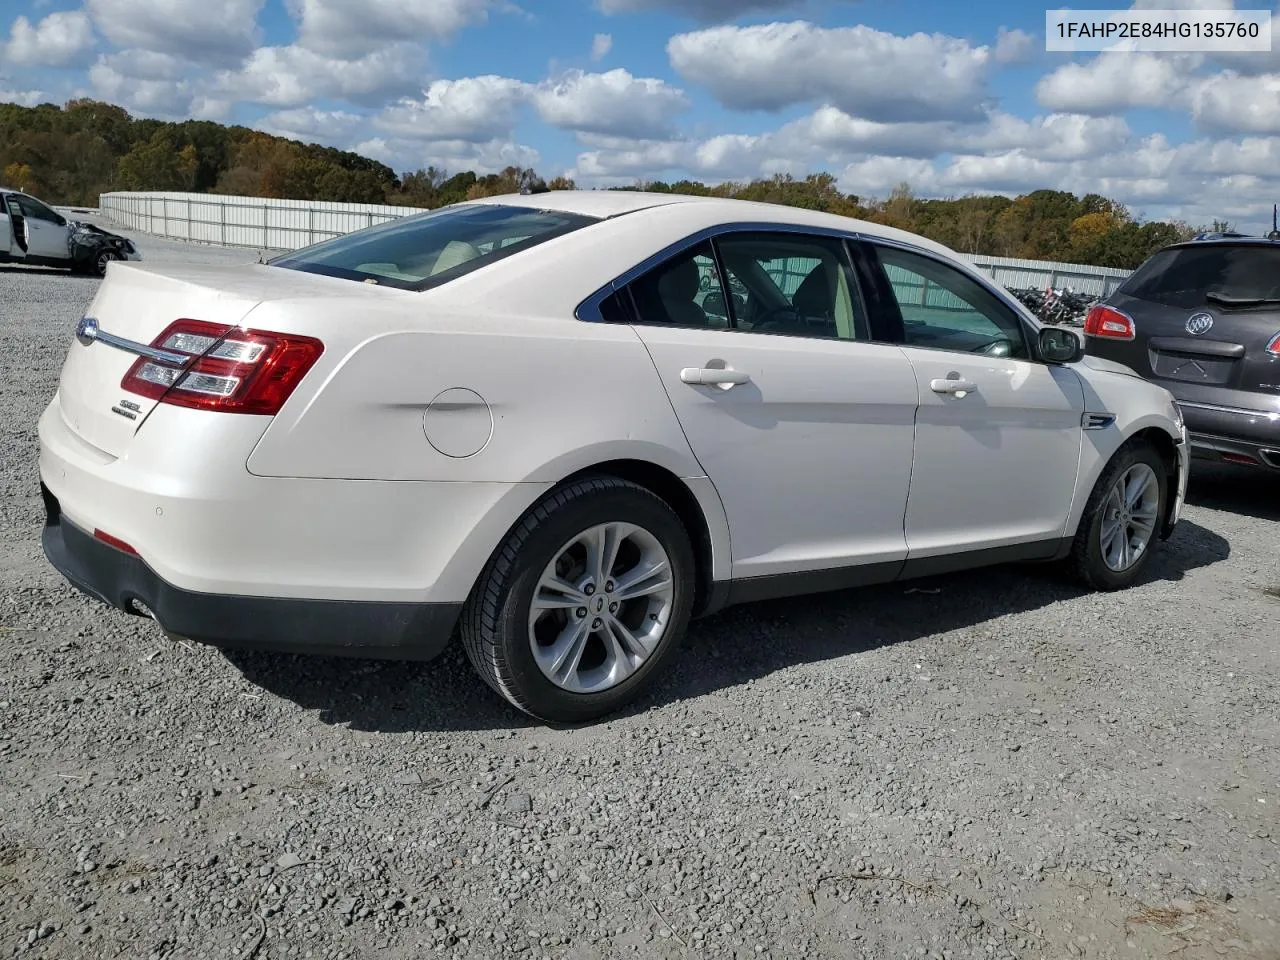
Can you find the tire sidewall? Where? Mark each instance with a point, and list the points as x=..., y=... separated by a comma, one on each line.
x=621, y=504
x=1098, y=569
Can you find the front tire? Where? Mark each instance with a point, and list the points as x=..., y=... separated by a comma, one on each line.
x=100, y=262
x=1121, y=522
x=584, y=603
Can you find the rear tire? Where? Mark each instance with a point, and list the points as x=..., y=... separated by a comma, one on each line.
x=1122, y=519
x=557, y=644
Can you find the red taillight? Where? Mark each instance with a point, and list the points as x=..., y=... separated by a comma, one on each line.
x=1108, y=322
x=113, y=541
x=1273, y=347
x=228, y=369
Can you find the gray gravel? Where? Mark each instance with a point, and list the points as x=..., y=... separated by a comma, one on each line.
x=986, y=765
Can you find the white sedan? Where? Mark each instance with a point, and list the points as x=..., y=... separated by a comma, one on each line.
x=561, y=425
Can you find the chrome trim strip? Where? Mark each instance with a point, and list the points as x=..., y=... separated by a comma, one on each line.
x=1218, y=408
x=89, y=331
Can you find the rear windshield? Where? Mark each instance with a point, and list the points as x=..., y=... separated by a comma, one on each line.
x=1181, y=277
x=429, y=249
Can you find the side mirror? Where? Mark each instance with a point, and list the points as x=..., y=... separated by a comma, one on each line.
x=1060, y=345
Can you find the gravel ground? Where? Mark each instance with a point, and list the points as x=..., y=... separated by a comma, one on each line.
x=985, y=765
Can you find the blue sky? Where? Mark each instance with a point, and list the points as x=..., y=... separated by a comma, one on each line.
x=953, y=98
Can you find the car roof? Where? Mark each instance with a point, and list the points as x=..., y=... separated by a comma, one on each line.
x=608, y=204
x=1240, y=241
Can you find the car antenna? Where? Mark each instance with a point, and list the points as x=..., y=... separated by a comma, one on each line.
x=1275, y=227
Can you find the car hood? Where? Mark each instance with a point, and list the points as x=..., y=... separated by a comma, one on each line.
x=1108, y=366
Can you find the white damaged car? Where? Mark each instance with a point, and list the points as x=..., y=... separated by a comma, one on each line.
x=33, y=233
x=559, y=426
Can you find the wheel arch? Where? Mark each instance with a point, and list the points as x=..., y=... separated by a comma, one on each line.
x=1106, y=446
x=704, y=520
x=1167, y=447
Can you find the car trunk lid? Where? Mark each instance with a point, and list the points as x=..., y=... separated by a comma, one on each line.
x=1205, y=318
x=134, y=305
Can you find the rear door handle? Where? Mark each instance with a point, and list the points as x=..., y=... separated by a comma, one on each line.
x=710, y=376
x=957, y=388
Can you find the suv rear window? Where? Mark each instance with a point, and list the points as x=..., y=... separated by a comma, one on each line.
x=426, y=250
x=1182, y=276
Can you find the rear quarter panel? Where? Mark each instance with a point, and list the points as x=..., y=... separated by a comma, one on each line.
x=474, y=398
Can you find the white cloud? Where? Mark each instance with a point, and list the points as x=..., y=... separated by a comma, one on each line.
x=865, y=72
x=613, y=103
x=601, y=44
x=311, y=125
x=210, y=32
x=165, y=98
x=56, y=41
x=1014, y=46
x=491, y=156
x=1112, y=82
x=472, y=109
x=292, y=75
x=357, y=27
x=876, y=176
x=24, y=98
x=1230, y=103
x=706, y=10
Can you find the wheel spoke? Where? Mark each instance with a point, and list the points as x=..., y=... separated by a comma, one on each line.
x=602, y=551
x=643, y=581
x=556, y=594
x=622, y=660
x=1143, y=526
x=638, y=647
x=1140, y=479
x=569, y=647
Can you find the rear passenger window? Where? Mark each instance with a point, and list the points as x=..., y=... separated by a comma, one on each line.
x=791, y=284
x=683, y=292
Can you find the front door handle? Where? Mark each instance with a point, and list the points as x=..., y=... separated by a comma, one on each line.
x=713, y=376
x=957, y=388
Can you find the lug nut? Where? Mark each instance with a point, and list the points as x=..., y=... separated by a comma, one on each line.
x=589, y=589
x=581, y=612
x=608, y=587
x=613, y=608
x=597, y=623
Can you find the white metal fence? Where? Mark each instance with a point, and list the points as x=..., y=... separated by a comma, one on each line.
x=290, y=224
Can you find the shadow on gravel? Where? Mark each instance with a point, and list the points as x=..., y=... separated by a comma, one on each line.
x=18, y=270
x=1249, y=491
x=739, y=645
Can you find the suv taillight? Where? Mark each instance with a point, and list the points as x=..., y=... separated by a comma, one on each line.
x=228, y=369
x=1273, y=347
x=1102, y=321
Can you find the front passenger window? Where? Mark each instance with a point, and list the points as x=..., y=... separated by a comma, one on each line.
x=946, y=310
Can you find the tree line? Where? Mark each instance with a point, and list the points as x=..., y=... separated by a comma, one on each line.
x=70, y=154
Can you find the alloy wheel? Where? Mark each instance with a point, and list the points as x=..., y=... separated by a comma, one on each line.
x=1129, y=517
x=601, y=607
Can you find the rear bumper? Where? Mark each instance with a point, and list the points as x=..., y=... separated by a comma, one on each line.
x=397, y=630
x=1219, y=431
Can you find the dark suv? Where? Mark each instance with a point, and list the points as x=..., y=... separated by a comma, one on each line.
x=1202, y=319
